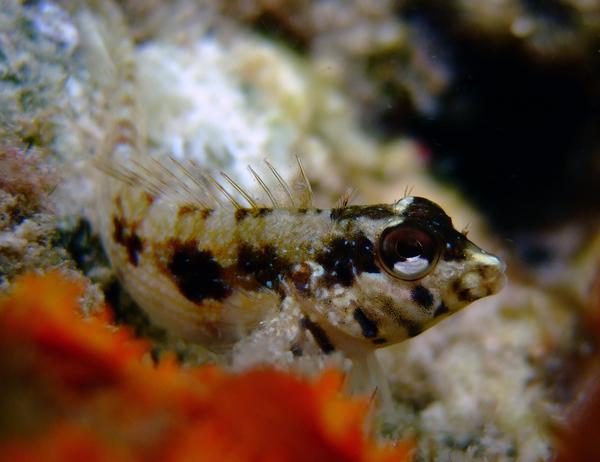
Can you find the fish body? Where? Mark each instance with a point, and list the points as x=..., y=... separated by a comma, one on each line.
x=217, y=264
x=353, y=278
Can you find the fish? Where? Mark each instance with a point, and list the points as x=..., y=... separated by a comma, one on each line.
x=231, y=268
x=354, y=278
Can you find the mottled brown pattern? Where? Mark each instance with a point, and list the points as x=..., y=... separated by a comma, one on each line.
x=264, y=263
x=368, y=326
x=395, y=313
x=351, y=212
x=186, y=210
x=319, y=335
x=467, y=295
x=422, y=296
x=345, y=257
x=126, y=236
x=241, y=214
x=205, y=213
x=461, y=293
x=125, y=132
x=150, y=198
x=441, y=309
x=300, y=277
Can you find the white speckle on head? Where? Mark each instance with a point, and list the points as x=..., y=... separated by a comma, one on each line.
x=483, y=258
x=316, y=271
x=470, y=280
x=486, y=259
x=403, y=204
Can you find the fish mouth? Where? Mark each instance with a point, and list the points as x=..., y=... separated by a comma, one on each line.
x=487, y=277
x=494, y=274
x=495, y=284
x=493, y=271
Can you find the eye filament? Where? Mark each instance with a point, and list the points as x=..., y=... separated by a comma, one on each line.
x=407, y=251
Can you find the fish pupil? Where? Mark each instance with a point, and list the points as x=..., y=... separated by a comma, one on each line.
x=408, y=248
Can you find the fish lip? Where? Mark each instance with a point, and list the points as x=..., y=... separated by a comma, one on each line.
x=497, y=279
x=494, y=274
x=502, y=265
x=501, y=278
x=499, y=283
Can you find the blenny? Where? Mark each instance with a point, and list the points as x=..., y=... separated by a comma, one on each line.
x=217, y=265
x=354, y=278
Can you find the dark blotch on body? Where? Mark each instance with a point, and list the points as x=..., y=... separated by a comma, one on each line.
x=134, y=248
x=319, y=335
x=185, y=210
x=342, y=258
x=119, y=230
x=296, y=350
x=413, y=328
x=267, y=267
x=387, y=305
x=465, y=295
x=422, y=296
x=374, y=212
x=300, y=276
x=261, y=211
x=119, y=203
x=150, y=198
x=368, y=326
x=241, y=214
x=441, y=309
x=205, y=213
x=379, y=341
x=128, y=238
x=197, y=273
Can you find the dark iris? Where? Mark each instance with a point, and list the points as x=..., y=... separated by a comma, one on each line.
x=408, y=251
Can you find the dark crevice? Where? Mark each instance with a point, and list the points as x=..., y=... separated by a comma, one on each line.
x=514, y=132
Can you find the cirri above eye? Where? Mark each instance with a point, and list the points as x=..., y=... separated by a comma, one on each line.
x=407, y=251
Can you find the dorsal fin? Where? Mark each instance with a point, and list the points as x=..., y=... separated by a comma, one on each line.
x=264, y=186
x=282, y=183
x=345, y=199
x=408, y=189
x=307, y=200
x=223, y=191
x=184, y=180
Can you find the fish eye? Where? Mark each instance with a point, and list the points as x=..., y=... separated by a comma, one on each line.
x=407, y=251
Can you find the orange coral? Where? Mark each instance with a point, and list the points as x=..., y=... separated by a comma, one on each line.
x=78, y=389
